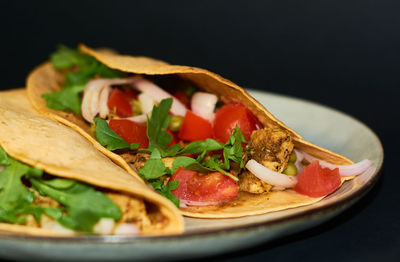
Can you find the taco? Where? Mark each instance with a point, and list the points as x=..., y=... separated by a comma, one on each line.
x=197, y=138
x=54, y=182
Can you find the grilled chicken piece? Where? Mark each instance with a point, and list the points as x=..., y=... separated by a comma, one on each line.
x=250, y=183
x=271, y=148
x=133, y=210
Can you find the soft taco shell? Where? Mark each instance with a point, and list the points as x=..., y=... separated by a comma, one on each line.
x=50, y=146
x=45, y=79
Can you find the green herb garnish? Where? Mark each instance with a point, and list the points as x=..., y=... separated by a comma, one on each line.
x=107, y=137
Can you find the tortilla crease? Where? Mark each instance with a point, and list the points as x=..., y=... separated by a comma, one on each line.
x=45, y=79
x=50, y=146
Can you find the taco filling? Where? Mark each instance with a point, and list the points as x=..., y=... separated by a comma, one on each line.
x=194, y=147
x=33, y=198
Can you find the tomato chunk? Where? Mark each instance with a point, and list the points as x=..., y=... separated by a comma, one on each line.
x=315, y=181
x=131, y=132
x=230, y=115
x=195, y=128
x=120, y=101
x=211, y=187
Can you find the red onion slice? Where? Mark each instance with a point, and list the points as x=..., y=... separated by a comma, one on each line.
x=103, y=99
x=159, y=94
x=269, y=176
x=94, y=100
x=203, y=104
x=187, y=203
x=344, y=170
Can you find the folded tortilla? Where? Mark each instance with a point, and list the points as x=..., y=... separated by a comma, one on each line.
x=56, y=149
x=45, y=79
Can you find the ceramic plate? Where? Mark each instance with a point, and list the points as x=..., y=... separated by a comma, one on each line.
x=316, y=123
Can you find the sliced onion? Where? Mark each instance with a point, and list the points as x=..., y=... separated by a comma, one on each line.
x=126, y=229
x=203, y=104
x=269, y=176
x=103, y=107
x=298, y=162
x=146, y=103
x=105, y=226
x=94, y=100
x=187, y=203
x=344, y=170
x=158, y=94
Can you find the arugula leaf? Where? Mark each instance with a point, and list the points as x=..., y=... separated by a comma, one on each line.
x=67, y=99
x=154, y=168
x=165, y=190
x=109, y=138
x=198, y=147
x=14, y=196
x=157, y=126
x=84, y=205
x=66, y=57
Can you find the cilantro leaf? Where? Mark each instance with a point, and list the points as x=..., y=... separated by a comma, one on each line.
x=154, y=168
x=233, y=149
x=67, y=99
x=109, y=138
x=157, y=126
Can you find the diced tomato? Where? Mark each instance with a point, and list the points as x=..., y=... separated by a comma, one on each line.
x=211, y=187
x=184, y=98
x=131, y=132
x=121, y=101
x=230, y=115
x=195, y=128
x=315, y=181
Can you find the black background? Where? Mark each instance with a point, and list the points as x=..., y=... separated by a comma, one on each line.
x=344, y=54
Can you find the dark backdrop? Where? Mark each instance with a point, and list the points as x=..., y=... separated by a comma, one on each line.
x=344, y=54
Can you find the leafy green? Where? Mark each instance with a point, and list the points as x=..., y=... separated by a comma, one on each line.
x=85, y=68
x=14, y=196
x=66, y=57
x=165, y=190
x=84, y=205
x=67, y=99
x=4, y=160
x=233, y=149
x=154, y=168
x=109, y=138
x=157, y=126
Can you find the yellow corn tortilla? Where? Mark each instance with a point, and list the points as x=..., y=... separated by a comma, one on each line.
x=45, y=79
x=58, y=150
